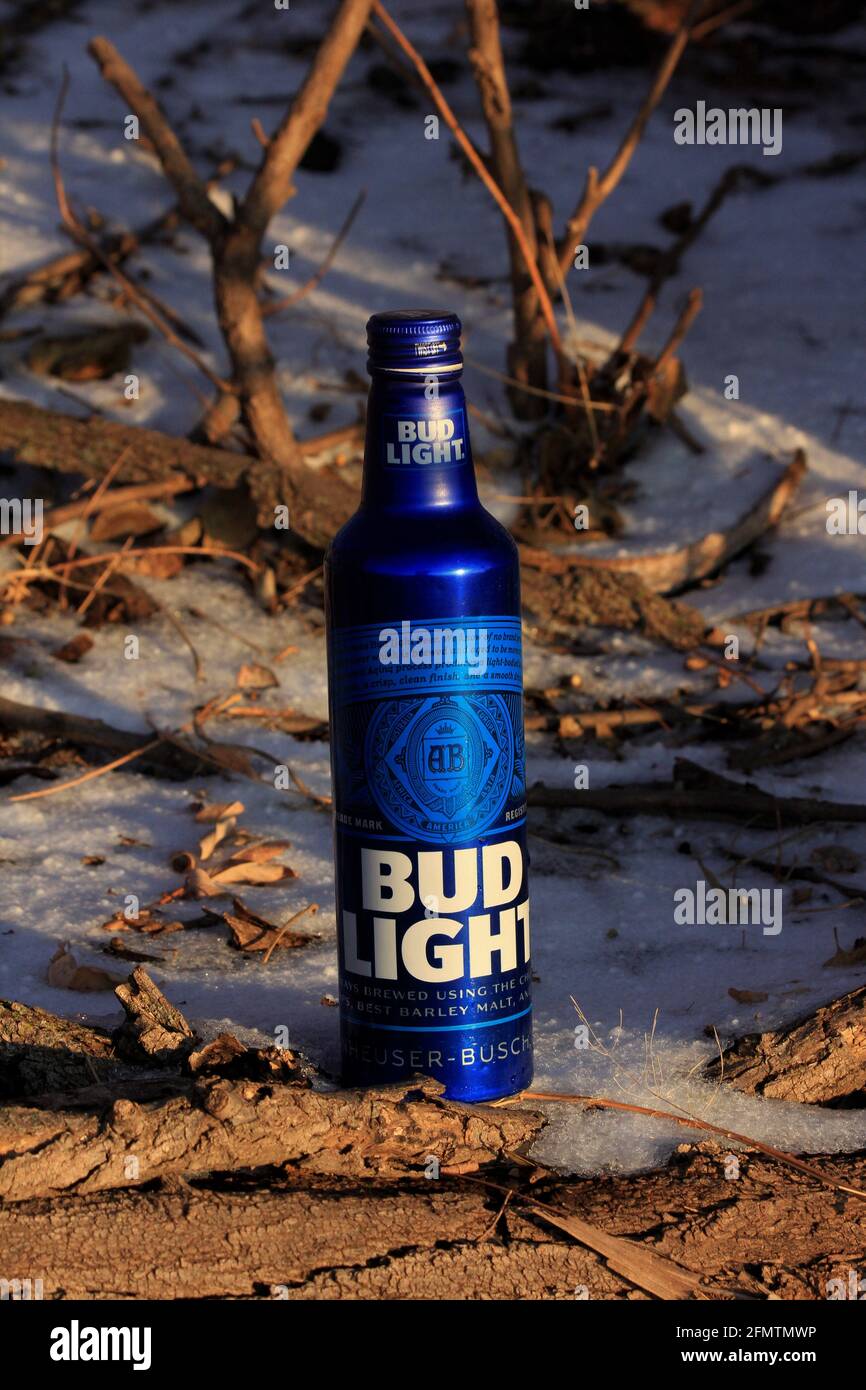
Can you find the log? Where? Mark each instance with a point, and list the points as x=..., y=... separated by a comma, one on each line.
x=220, y=1125
x=82, y=731
x=668, y=571
x=318, y=500
x=695, y=791
x=307, y=1238
x=820, y=1058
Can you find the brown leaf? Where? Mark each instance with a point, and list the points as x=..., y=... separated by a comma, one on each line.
x=747, y=996
x=843, y=958
x=253, y=933
x=253, y=676
x=64, y=972
x=156, y=565
x=253, y=873
x=233, y=757
x=92, y=861
x=131, y=519
x=73, y=650
x=261, y=852
x=199, y=884
x=208, y=844
x=218, y=810
x=118, y=947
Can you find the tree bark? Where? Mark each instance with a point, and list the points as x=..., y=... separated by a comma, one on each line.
x=307, y=1238
x=527, y=353
x=818, y=1059
x=220, y=1125
x=319, y=501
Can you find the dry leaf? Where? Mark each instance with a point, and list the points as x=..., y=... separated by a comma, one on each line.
x=856, y=956
x=748, y=996
x=199, y=884
x=92, y=861
x=253, y=676
x=64, y=972
x=209, y=843
x=218, y=810
x=253, y=873
x=73, y=650
x=253, y=933
x=289, y=721
x=131, y=519
x=118, y=947
x=157, y=565
x=261, y=852
x=233, y=757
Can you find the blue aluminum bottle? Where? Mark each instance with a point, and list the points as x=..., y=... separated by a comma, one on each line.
x=427, y=747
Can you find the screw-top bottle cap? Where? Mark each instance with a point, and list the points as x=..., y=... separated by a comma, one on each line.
x=414, y=340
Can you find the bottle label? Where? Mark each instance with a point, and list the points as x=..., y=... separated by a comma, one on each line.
x=430, y=801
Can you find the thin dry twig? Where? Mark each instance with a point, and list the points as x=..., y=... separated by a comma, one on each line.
x=480, y=168
x=599, y=187
x=92, y=772
x=277, y=305
x=82, y=237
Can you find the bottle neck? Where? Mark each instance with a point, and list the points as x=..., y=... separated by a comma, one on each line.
x=417, y=453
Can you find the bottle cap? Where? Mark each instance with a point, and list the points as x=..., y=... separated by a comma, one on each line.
x=414, y=340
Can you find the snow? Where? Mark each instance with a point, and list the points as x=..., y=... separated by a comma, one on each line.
x=778, y=268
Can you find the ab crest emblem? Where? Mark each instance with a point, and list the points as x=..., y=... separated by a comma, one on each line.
x=441, y=767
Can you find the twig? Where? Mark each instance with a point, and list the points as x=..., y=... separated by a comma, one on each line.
x=86, y=560
x=277, y=305
x=693, y=1122
x=480, y=168
x=598, y=188
x=79, y=233
x=119, y=497
x=88, y=776
x=604, y=407
x=281, y=931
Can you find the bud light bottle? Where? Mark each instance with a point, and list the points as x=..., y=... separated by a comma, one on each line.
x=427, y=746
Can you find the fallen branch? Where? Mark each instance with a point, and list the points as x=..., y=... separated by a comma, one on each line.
x=800, y=1165
x=671, y=570
x=318, y=501
x=819, y=1059
x=696, y=792
x=224, y=1126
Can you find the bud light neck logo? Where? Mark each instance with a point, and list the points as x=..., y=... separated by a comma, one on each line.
x=423, y=441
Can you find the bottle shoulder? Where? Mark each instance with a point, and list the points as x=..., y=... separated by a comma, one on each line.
x=428, y=541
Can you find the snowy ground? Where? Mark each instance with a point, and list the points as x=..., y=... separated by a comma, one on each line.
x=779, y=268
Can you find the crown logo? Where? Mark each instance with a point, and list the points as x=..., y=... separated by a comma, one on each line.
x=443, y=729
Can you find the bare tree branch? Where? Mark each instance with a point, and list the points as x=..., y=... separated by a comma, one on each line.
x=236, y=244
x=599, y=187
x=192, y=194
x=527, y=359
x=479, y=166
x=272, y=183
